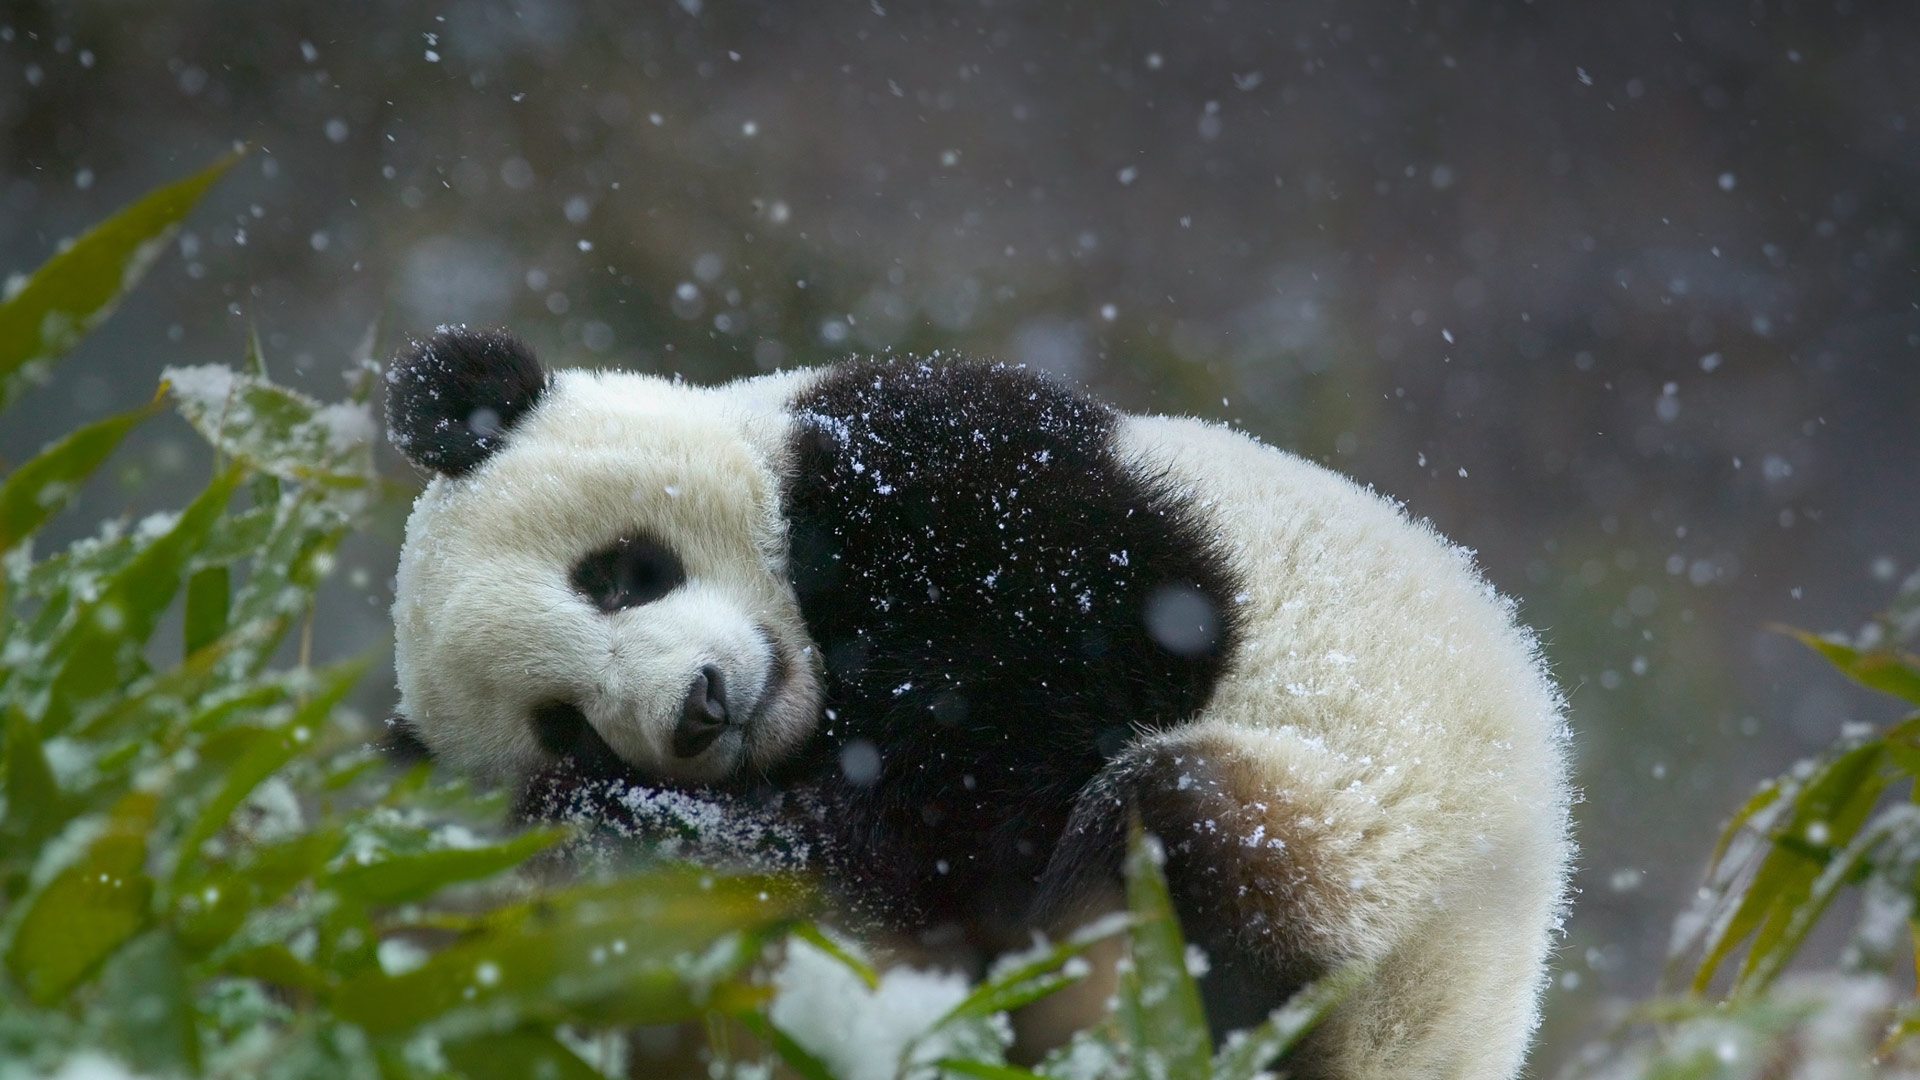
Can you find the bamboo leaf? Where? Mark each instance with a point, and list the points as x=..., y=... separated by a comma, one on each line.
x=516, y=1055
x=1826, y=818
x=1760, y=800
x=276, y=431
x=1160, y=1009
x=150, y=1020
x=35, y=805
x=812, y=935
x=797, y=1057
x=276, y=964
x=265, y=751
x=1031, y=979
x=1885, y=670
x=287, y=564
x=206, y=615
x=1900, y=824
x=38, y=489
x=76, y=290
x=986, y=1071
x=101, y=651
x=1831, y=804
x=420, y=875
x=223, y=895
x=89, y=909
x=1248, y=1052
x=617, y=953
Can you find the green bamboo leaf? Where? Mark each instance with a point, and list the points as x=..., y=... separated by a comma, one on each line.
x=38, y=489
x=1827, y=804
x=156, y=699
x=812, y=935
x=89, y=909
x=87, y=561
x=1826, y=819
x=1029, y=980
x=323, y=1048
x=420, y=875
x=276, y=431
x=797, y=1057
x=206, y=615
x=264, y=751
x=1160, y=1008
x=236, y=536
x=284, y=569
x=1898, y=828
x=76, y=290
x=517, y=1055
x=986, y=1071
x=147, y=1008
x=1768, y=794
x=654, y=949
x=36, y=807
x=276, y=964
x=1248, y=1052
x=1887, y=671
x=101, y=651
x=222, y=895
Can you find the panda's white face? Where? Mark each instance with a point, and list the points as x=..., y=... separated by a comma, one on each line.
x=618, y=560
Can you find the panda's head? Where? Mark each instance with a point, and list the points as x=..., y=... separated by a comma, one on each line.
x=597, y=569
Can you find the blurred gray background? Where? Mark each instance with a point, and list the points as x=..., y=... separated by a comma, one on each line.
x=1621, y=295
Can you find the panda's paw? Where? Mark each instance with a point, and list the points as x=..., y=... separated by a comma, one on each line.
x=1223, y=872
x=400, y=743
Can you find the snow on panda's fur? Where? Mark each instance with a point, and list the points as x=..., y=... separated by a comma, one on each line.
x=978, y=619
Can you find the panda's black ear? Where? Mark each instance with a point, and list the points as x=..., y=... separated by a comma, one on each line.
x=452, y=397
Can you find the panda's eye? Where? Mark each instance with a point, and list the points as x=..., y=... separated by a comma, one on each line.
x=627, y=574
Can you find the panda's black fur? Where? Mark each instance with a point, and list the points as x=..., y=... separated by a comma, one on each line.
x=977, y=567
x=452, y=397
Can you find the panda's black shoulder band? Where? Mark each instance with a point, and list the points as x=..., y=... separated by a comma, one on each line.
x=452, y=396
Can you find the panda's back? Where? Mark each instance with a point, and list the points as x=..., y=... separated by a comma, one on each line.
x=1380, y=637
x=1382, y=699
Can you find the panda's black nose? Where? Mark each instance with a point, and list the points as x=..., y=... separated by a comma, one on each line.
x=703, y=715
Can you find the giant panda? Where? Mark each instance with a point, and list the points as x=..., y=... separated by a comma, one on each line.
x=980, y=622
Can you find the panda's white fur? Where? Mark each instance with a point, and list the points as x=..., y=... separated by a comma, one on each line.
x=1392, y=750
x=1406, y=739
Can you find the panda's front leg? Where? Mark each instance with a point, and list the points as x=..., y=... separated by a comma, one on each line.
x=1230, y=879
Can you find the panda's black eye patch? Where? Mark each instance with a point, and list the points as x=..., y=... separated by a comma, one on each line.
x=628, y=573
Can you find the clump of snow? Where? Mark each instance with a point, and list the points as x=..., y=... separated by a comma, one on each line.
x=863, y=1034
x=348, y=425
x=208, y=386
x=272, y=812
x=398, y=956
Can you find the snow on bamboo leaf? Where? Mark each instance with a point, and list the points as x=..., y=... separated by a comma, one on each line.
x=47, y=314
x=98, y=650
x=277, y=431
x=1160, y=1010
x=657, y=949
